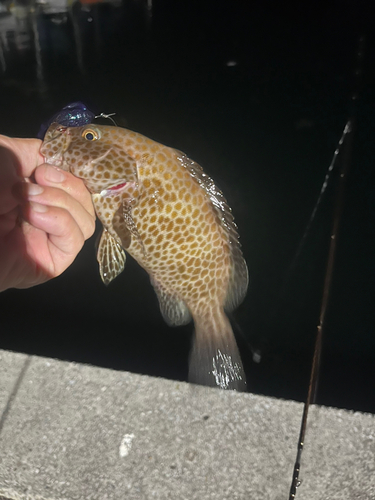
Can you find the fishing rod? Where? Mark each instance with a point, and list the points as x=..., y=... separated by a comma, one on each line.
x=343, y=155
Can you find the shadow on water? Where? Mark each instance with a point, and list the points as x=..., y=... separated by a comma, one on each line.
x=260, y=101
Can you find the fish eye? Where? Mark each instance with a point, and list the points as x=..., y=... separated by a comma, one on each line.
x=90, y=135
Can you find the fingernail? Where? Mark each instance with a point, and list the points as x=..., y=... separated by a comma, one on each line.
x=33, y=189
x=53, y=174
x=37, y=207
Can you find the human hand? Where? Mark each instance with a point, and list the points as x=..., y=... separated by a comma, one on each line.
x=46, y=215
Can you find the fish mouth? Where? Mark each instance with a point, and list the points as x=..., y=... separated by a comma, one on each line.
x=57, y=159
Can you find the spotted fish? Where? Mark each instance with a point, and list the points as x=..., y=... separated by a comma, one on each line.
x=159, y=206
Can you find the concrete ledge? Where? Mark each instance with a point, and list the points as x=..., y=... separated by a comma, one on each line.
x=80, y=432
x=11, y=369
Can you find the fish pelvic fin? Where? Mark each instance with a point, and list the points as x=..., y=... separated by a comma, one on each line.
x=215, y=360
x=173, y=309
x=111, y=257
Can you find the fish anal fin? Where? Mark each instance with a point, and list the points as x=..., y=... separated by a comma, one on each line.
x=174, y=310
x=111, y=257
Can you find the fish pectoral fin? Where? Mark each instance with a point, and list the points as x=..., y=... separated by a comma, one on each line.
x=131, y=225
x=174, y=310
x=111, y=257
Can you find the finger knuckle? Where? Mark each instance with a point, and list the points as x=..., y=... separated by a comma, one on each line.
x=91, y=228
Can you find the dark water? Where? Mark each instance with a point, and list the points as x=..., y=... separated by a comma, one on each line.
x=258, y=94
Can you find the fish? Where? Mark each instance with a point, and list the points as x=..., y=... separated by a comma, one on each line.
x=159, y=206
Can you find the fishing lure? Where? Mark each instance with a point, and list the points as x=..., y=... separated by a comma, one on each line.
x=74, y=114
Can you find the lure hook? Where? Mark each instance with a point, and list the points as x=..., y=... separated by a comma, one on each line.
x=108, y=116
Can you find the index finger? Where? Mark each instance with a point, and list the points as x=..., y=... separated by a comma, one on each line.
x=69, y=183
x=18, y=158
x=25, y=155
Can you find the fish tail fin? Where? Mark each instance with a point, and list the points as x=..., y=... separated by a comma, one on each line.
x=214, y=357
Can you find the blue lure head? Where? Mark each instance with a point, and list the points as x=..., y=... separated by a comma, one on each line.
x=75, y=114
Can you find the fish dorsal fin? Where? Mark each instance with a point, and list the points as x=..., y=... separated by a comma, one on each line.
x=174, y=310
x=111, y=257
x=239, y=277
